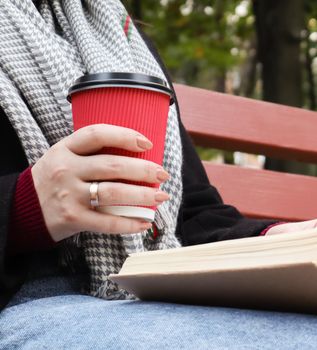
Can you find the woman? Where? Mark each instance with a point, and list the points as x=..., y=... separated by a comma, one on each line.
x=46, y=176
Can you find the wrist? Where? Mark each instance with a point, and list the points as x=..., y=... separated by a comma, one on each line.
x=266, y=230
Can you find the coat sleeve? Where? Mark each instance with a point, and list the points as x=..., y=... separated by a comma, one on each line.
x=12, y=270
x=203, y=216
x=13, y=162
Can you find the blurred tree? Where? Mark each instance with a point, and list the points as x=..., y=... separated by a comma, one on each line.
x=213, y=44
x=310, y=51
x=136, y=6
x=279, y=39
x=200, y=41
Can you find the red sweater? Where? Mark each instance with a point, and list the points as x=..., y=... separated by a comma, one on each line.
x=28, y=231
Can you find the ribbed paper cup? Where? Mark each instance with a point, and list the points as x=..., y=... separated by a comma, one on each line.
x=135, y=101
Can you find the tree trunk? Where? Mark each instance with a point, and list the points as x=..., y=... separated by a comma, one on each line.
x=220, y=81
x=310, y=77
x=137, y=9
x=249, y=70
x=279, y=25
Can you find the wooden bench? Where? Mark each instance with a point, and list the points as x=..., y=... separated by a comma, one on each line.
x=239, y=124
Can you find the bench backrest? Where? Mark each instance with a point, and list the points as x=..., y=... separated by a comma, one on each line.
x=239, y=124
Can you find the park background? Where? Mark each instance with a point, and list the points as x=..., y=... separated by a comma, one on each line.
x=262, y=49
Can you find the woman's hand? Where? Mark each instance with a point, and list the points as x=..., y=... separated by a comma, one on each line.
x=63, y=174
x=292, y=227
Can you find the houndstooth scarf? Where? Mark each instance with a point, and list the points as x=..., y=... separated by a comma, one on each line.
x=43, y=50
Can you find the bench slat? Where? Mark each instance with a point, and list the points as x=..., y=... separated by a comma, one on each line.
x=266, y=194
x=237, y=123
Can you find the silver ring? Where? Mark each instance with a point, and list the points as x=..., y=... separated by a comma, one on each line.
x=93, y=190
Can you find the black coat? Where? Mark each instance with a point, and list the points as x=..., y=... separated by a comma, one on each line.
x=202, y=218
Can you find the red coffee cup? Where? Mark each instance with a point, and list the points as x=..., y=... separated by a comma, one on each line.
x=137, y=101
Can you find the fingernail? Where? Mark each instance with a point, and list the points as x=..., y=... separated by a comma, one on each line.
x=143, y=142
x=161, y=196
x=146, y=225
x=162, y=175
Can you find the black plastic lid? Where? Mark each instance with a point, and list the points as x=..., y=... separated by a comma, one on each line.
x=136, y=80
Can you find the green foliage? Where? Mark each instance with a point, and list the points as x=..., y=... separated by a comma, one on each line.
x=207, y=153
x=212, y=44
x=200, y=42
x=198, y=39
x=205, y=41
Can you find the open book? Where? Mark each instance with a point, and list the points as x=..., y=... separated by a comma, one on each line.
x=274, y=272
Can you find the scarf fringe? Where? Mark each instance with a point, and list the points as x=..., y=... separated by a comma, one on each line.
x=110, y=291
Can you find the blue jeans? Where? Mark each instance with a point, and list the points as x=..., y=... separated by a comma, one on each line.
x=50, y=313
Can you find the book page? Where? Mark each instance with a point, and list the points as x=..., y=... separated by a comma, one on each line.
x=258, y=251
x=247, y=244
